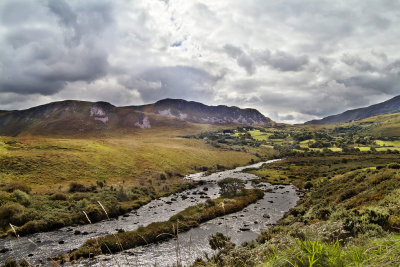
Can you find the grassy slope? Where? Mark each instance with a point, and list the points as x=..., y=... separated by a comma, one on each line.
x=134, y=169
x=47, y=163
x=386, y=125
x=353, y=199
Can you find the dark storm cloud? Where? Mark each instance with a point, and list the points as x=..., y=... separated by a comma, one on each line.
x=43, y=57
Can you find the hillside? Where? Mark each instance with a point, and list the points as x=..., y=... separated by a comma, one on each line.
x=389, y=106
x=80, y=117
x=200, y=113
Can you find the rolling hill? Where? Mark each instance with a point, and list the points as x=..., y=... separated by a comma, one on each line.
x=80, y=117
x=389, y=106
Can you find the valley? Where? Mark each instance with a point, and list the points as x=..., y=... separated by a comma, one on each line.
x=97, y=193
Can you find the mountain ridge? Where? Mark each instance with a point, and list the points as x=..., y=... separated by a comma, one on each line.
x=389, y=106
x=71, y=117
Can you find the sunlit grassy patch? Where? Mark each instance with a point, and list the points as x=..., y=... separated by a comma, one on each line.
x=389, y=144
x=363, y=148
x=258, y=135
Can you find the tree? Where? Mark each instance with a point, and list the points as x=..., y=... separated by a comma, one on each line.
x=230, y=187
x=220, y=242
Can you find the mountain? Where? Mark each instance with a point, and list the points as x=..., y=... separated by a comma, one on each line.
x=389, y=106
x=80, y=117
x=199, y=113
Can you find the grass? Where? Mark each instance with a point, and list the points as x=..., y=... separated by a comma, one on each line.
x=374, y=252
x=260, y=136
x=124, y=172
x=158, y=231
x=349, y=216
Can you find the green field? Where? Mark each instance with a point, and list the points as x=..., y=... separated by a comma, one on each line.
x=47, y=182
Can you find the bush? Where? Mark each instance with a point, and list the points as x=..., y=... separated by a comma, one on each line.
x=220, y=242
x=10, y=213
x=22, y=197
x=77, y=187
x=394, y=166
x=230, y=187
x=6, y=197
x=59, y=196
x=17, y=186
x=308, y=185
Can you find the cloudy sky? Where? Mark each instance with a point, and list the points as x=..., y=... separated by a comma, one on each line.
x=292, y=60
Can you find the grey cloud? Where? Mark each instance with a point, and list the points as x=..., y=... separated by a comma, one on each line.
x=357, y=62
x=247, y=63
x=44, y=59
x=233, y=51
x=286, y=62
x=387, y=84
x=278, y=60
x=64, y=12
x=288, y=117
x=318, y=57
x=173, y=82
x=242, y=58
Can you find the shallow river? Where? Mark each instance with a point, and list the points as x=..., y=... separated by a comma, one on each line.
x=241, y=226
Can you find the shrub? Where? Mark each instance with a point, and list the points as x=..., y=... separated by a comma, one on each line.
x=394, y=166
x=77, y=187
x=17, y=186
x=5, y=197
x=308, y=185
x=11, y=213
x=230, y=187
x=10, y=263
x=220, y=242
x=22, y=197
x=59, y=196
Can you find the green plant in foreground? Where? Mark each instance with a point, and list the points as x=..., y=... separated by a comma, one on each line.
x=315, y=253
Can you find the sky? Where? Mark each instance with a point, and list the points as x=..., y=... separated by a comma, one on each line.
x=292, y=60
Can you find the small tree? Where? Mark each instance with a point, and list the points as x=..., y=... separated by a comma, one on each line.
x=230, y=187
x=222, y=244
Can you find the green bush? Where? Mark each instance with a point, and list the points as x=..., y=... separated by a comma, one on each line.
x=16, y=186
x=22, y=197
x=230, y=187
x=11, y=213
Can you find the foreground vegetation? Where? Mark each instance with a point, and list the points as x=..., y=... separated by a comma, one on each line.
x=350, y=215
x=158, y=231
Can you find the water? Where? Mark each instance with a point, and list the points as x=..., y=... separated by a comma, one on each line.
x=241, y=226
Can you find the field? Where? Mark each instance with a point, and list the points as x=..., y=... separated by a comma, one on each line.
x=47, y=182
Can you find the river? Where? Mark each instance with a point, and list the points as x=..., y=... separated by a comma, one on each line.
x=241, y=226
